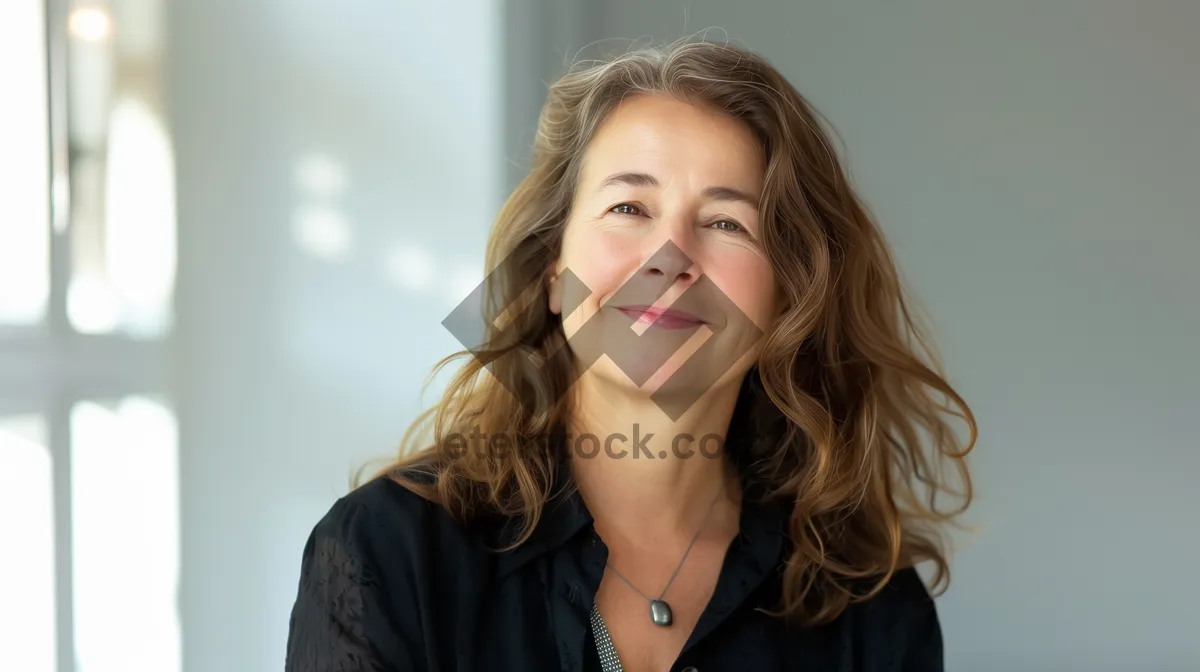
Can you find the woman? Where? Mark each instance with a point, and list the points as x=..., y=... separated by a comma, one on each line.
x=702, y=430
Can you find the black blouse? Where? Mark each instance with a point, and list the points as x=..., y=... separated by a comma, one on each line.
x=389, y=581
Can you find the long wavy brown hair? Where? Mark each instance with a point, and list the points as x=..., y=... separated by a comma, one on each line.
x=847, y=406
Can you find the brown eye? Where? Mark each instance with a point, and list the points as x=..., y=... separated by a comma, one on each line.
x=626, y=209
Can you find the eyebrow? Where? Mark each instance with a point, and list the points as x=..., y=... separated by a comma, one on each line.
x=647, y=180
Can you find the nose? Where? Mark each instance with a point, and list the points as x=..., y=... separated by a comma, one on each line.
x=671, y=263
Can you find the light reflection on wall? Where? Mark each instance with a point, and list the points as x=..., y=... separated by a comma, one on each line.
x=318, y=225
x=411, y=267
x=320, y=176
x=320, y=229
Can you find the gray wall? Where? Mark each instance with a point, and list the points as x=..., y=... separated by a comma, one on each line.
x=1036, y=166
x=295, y=368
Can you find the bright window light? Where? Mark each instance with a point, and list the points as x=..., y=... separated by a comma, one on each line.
x=125, y=535
x=27, y=619
x=24, y=164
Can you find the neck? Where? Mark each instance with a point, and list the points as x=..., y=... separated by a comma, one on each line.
x=657, y=476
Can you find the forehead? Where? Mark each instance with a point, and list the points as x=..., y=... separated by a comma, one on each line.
x=673, y=139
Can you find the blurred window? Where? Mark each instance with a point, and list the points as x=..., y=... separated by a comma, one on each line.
x=88, y=439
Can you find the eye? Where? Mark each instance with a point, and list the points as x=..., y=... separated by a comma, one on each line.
x=728, y=225
x=626, y=209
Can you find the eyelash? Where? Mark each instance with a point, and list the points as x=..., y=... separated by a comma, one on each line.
x=614, y=210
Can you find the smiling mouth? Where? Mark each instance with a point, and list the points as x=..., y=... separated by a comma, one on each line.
x=658, y=317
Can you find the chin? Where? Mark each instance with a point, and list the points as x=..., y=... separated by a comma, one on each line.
x=672, y=389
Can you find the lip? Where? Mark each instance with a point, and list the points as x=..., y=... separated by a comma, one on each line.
x=667, y=319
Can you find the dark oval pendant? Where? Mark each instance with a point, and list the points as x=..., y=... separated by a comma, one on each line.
x=660, y=612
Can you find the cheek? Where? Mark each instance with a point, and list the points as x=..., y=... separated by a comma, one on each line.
x=749, y=283
x=602, y=262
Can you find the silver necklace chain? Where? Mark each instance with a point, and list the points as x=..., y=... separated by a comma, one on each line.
x=678, y=567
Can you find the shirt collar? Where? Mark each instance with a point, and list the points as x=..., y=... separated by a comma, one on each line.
x=563, y=517
x=763, y=524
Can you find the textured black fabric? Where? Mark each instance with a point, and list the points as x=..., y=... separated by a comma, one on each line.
x=390, y=582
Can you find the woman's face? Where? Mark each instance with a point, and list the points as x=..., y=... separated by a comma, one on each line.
x=665, y=234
